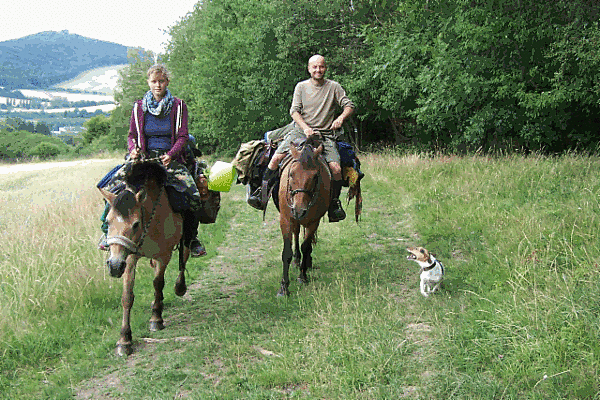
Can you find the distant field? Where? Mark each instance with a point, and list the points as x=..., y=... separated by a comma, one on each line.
x=52, y=94
x=102, y=80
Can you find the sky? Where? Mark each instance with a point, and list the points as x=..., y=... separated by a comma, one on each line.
x=130, y=23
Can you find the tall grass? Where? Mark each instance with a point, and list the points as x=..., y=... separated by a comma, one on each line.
x=46, y=244
x=520, y=236
x=518, y=317
x=49, y=268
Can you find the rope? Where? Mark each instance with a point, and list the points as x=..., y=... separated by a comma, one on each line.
x=147, y=224
x=129, y=244
x=123, y=241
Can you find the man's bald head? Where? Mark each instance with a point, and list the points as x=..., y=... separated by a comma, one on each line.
x=317, y=68
x=316, y=58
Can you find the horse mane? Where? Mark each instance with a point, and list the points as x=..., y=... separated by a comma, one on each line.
x=138, y=176
x=145, y=171
x=307, y=149
x=124, y=202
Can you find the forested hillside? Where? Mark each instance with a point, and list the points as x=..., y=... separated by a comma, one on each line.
x=451, y=74
x=47, y=58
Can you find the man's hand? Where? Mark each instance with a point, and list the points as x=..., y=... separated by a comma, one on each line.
x=309, y=132
x=165, y=159
x=337, y=123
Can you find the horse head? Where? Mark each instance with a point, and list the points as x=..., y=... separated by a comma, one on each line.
x=304, y=177
x=128, y=217
x=125, y=227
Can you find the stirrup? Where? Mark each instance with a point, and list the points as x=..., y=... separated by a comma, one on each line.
x=336, y=212
x=254, y=198
x=197, y=249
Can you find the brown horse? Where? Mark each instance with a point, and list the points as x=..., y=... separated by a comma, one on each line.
x=304, y=196
x=143, y=224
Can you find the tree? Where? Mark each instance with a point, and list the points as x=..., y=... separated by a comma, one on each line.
x=236, y=62
x=42, y=128
x=96, y=127
x=457, y=74
x=45, y=150
x=131, y=87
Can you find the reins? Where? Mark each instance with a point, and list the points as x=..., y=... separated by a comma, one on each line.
x=129, y=244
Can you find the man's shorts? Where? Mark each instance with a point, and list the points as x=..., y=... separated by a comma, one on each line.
x=330, y=151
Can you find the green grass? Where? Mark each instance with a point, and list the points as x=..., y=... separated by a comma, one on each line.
x=517, y=318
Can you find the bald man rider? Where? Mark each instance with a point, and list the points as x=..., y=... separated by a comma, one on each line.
x=313, y=109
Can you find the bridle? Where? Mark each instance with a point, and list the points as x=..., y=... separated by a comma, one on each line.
x=129, y=244
x=313, y=193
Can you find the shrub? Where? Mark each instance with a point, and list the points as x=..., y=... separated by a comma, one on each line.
x=45, y=150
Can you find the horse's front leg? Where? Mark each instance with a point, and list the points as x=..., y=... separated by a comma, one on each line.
x=306, y=248
x=286, y=258
x=124, y=344
x=184, y=255
x=156, y=321
x=297, y=254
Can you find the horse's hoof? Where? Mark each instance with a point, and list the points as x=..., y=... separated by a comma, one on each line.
x=156, y=326
x=180, y=290
x=124, y=350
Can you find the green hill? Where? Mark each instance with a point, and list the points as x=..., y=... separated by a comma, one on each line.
x=47, y=58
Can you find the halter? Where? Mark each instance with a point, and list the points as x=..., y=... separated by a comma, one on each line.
x=313, y=193
x=129, y=244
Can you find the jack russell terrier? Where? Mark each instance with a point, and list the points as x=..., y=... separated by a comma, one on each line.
x=432, y=271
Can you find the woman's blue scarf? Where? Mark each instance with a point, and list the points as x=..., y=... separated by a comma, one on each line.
x=158, y=108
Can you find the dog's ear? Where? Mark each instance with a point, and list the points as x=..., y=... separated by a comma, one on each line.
x=422, y=251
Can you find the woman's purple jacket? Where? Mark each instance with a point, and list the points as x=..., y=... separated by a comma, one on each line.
x=179, y=130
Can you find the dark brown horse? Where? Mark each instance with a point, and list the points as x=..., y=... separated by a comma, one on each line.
x=143, y=224
x=304, y=195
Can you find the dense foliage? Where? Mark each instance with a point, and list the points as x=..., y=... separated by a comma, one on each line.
x=12, y=124
x=442, y=74
x=19, y=144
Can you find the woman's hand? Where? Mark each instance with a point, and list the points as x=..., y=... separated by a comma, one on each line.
x=134, y=154
x=165, y=159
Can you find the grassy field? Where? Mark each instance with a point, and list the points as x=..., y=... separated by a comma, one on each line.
x=518, y=317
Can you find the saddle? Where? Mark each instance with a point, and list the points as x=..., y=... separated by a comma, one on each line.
x=351, y=175
x=210, y=200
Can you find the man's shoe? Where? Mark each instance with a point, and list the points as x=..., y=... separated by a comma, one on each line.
x=197, y=249
x=103, y=244
x=269, y=179
x=336, y=212
x=255, y=202
x=254, y=199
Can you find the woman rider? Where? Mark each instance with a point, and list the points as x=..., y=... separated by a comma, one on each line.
x=159, y=129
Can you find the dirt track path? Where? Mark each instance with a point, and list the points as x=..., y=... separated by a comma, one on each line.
x=246, y=249
x=9, y=169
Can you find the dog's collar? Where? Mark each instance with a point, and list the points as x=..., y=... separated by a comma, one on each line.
x=429, y=268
